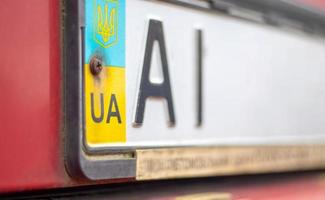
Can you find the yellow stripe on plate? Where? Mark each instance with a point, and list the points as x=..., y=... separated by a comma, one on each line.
x=105, y=106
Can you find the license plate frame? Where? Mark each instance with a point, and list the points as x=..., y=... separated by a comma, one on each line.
x=84, y=161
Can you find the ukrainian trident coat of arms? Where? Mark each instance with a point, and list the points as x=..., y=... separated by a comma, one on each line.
x=106, y=22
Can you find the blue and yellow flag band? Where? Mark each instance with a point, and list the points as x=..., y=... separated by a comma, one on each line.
x=104, y=94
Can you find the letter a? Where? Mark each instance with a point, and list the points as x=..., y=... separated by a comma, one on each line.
x=113, y=102
x=148, y=89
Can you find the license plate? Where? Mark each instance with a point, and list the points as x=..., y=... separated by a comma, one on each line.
x=150, y=74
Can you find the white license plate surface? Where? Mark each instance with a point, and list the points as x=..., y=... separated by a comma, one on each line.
x=259, y=84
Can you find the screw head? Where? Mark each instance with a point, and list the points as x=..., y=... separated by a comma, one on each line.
x=96, y=65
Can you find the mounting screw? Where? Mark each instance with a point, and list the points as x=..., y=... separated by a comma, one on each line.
x=96, y=65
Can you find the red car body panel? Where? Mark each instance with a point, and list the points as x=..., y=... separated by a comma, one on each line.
x=31, y=154
x=320, y=4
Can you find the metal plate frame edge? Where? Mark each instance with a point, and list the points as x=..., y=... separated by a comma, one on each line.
x=81, y=164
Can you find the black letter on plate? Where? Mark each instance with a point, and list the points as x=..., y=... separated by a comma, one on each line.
x=199, y=53
x=148, y=89
x=100, y=118
x=112, y=102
